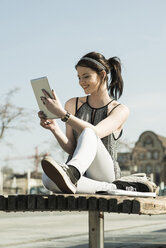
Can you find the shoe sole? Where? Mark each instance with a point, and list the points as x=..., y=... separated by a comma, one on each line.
x=143, y=187
x=58, y=176
x=131, y=193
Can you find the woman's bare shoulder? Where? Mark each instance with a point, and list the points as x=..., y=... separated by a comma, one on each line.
x=71, y=103
x=72, y=100
x=116, y=104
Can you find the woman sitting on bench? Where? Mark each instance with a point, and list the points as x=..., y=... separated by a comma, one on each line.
x=94, y=124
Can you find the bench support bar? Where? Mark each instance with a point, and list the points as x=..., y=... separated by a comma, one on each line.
x=96, y=229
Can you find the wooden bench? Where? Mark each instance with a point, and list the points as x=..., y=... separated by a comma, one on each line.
x=96, y=205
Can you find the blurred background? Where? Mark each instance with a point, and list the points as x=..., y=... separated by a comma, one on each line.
x=47, y=38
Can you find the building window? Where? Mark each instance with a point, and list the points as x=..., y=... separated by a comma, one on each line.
x=156, y=155
x=148, y=169
x=141, y=156
x=149, y=155
x=148, y=141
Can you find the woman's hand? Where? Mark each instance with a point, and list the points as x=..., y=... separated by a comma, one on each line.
x=53, y=104
x=47, y=123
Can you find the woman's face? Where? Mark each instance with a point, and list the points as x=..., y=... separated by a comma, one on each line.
x=88, y=79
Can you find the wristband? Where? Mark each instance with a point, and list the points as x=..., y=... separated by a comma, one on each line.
x=66, y=117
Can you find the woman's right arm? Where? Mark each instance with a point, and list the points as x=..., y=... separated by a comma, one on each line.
x=67, y=142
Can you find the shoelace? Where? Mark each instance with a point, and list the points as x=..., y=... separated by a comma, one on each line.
x=66, y=168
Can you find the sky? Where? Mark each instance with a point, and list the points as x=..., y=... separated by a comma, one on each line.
x=48, y=37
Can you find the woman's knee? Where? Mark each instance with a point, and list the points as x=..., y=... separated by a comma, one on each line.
x=89, y=131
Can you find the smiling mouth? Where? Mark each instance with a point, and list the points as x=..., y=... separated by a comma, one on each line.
x=85, y=87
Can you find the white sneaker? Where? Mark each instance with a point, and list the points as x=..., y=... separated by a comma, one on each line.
x=61, y=175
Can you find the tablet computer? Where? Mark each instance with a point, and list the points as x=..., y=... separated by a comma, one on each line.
x=38, y=84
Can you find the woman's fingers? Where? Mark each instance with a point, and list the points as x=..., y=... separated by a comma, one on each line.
x=52, y=104
x=47, y=95
x=47, y=122
x=44, y=99
x=42, y=115
x=54, y=95
x=44, y=123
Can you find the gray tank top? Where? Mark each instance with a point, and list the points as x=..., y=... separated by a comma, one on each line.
x=94, y=116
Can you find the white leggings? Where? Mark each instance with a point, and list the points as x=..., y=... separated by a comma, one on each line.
x=92, y=159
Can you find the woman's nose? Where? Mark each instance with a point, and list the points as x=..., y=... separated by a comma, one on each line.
x=81, y=81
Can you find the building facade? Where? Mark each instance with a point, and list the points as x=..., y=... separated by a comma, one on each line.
x=149, y=156
x=124, y=161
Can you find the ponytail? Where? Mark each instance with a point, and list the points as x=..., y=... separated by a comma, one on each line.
x=116, y=82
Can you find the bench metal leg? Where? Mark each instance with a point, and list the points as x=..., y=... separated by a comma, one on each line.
x=96, y=229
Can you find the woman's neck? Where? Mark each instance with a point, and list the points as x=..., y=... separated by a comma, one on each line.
x=99, y=99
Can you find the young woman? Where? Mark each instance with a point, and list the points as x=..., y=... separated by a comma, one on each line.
x=94, y=123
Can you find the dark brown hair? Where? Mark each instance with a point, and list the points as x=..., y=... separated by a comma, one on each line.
x=112, y=67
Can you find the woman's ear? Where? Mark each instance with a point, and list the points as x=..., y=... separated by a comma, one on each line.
x=103, y=76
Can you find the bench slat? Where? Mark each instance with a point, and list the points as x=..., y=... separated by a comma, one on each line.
x=82, y=203
x=51, y=202
x=149, y=205
x=12, y=203
x=31, y=202
x=2, y=202
x=76, y=202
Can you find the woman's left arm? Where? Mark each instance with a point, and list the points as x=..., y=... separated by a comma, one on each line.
x=112, y=123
